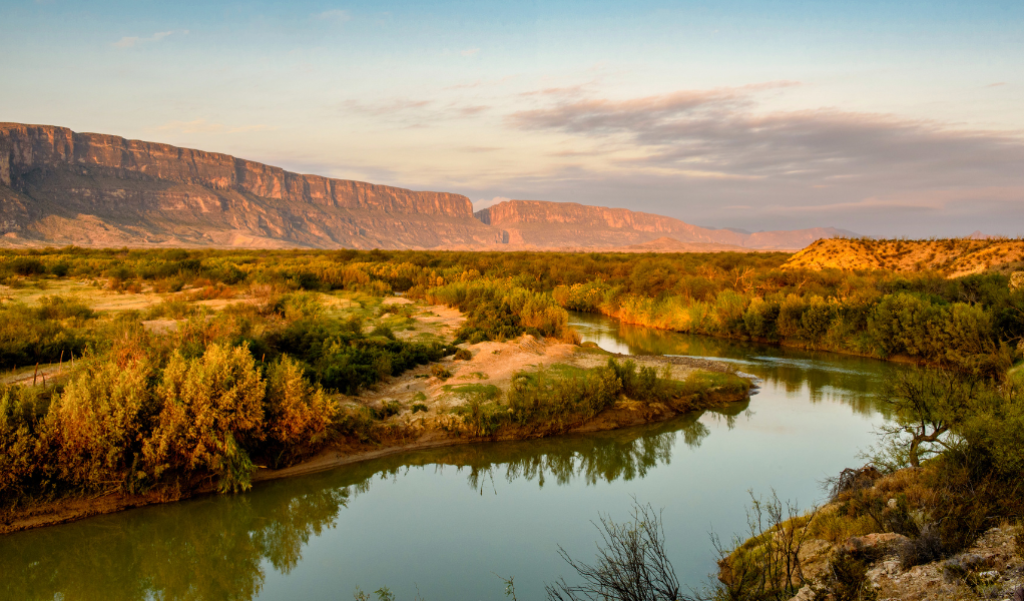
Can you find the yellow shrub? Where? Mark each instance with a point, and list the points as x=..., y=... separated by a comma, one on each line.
x=211, y=406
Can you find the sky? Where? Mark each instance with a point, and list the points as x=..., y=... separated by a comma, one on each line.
x=883, y=118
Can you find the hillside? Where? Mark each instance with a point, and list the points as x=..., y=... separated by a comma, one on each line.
x=59, y=187
x=542, y=224
x=62, y=187
x=952, y=257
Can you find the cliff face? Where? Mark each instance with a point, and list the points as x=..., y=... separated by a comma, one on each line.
x=58, y=183
x=59, y=187
x=570, y=225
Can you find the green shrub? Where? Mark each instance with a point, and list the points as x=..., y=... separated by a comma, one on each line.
x=21, y=449
x=96, y=427
x=440, y=372
x=212, y=407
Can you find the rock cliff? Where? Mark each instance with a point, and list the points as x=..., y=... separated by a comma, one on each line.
x=59, y=187
x=570, y=225
x=67, y=187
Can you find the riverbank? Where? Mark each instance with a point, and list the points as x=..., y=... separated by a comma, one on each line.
x=800, y=345
x=423, y=409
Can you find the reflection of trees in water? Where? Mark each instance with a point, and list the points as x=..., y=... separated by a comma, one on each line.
x=218, y=547
x=849, y=380
x=624, y=454
x=206, y=549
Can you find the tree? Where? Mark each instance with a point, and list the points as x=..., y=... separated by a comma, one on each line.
x=927, y=405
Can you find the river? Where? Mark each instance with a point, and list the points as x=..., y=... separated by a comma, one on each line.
x=443, y=524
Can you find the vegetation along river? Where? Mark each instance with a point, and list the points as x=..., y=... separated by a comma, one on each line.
x=444, y=523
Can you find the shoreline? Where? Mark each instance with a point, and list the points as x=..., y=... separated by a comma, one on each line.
x=625, y=413
x=800, y=346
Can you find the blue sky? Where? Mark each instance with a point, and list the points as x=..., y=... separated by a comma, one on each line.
x=886, y=118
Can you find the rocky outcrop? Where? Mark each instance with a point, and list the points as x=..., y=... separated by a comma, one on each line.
x=93, y=189
x=59, y=187
x=541, y=224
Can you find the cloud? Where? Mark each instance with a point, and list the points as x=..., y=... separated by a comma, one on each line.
x=721, y=132
x=470, y=52
x=132, y=41
x=484, y=203
x=414, y=113
x=202, y=126
x=693, y=153
x=338, y=16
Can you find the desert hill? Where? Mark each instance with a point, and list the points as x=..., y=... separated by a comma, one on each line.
x=59, y=187
x=952, y=257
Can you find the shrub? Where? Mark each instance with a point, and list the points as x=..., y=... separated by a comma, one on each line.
x=924, y=548
x=440, y=372
x=212, y=406
x=20, y=446
x=463, y=355
x=96, y=427
x=297, y=415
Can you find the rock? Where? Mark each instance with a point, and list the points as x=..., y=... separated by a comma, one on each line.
x=571, y=225
x=804, y=594
x=95, y=189
x=62, y=187
x=876, y=544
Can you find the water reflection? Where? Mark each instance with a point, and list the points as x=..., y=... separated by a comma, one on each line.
x=825, y=377
x=242, y=547
x=221, y=547
x=212, y=548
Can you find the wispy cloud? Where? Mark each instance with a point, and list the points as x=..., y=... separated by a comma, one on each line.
x=695, y=152
x=722, y=131
x=132, y=41
x=202, y=126
x=414, y=113
x=470, y=52
x=336, y=15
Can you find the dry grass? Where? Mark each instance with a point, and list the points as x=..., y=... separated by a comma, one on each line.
x=952, y=258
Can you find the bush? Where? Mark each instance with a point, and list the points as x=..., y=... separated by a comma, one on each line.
x=924, y=548
x=20, y=445
x=440, y=372
x=212, y=406
x=297, y=415
x=577, y=395
x=96, y=427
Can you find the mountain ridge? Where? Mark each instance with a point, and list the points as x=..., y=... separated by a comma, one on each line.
x=60, y=187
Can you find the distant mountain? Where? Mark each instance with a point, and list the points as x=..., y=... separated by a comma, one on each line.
x=58, y=187
x=61, y=187
x=542, y=224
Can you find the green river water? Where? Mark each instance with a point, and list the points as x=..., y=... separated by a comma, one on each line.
x=443, y=523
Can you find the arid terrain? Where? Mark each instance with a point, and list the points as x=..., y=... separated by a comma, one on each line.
x=951, y=257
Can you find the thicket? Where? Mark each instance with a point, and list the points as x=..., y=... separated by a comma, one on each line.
x=199, y=405
x=971, y=324
x=561, y=396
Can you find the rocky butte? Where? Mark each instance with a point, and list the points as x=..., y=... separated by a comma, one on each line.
x=59, y=187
